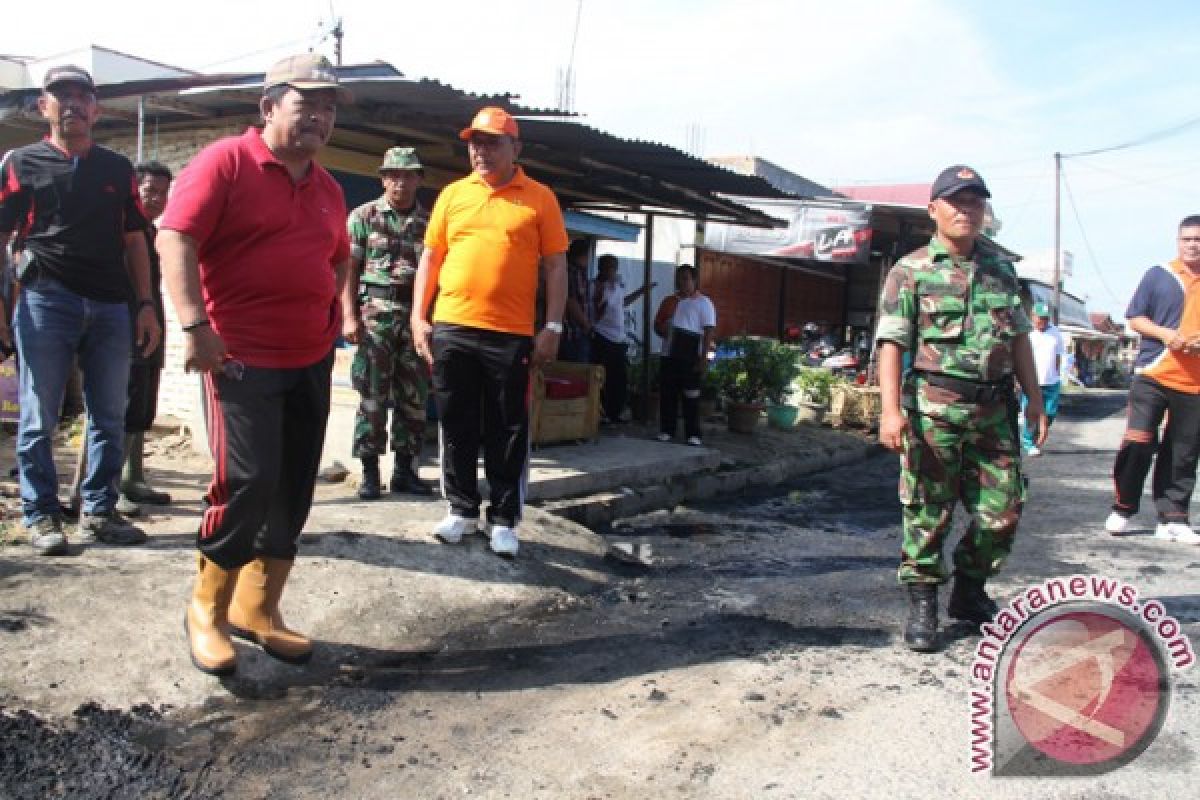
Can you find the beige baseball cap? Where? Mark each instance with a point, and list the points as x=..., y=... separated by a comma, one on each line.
x=306, y=72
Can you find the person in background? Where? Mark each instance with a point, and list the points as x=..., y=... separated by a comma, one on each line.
x=577, y=321
x=74, y=205
x=1165, y=310
x=387, y=237
x=153, y=184
x=687, y=321
x=1047, y=343
x=608, y=334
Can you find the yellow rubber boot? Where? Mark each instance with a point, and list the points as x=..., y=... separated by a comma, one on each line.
x=207, y=620
x=254, y=613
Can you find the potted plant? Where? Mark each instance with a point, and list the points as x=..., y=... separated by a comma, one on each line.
x=751, y=373
x=813, y=390
x=644, y=409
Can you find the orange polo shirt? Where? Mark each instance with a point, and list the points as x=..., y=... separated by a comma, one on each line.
x=1172, y=369
x=494, y=241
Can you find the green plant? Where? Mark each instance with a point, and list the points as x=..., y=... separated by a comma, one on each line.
x=815, y=385
x=637, y=370
x=754, y=371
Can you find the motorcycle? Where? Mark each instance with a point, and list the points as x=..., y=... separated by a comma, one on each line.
x=818, y=353
x=844, y=363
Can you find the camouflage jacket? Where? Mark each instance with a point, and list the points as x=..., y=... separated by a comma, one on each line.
x=956, y=317
x=387, y=243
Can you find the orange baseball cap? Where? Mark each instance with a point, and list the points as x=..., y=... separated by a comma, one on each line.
x=491, y=120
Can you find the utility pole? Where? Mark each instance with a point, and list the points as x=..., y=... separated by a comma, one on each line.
x=1057, y=236
x=337, y=40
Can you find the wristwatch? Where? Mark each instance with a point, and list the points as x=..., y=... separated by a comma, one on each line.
x=554, y=327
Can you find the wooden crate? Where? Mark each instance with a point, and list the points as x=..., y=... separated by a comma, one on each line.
x=859, y=406
x=565, y=420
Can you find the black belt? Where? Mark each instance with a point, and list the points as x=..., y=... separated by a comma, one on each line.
x=971, y=391
x=396, y=294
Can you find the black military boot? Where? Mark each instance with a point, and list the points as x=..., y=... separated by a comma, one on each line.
x=405, y=480
x=369, y=488
x=921, y=630
x=970, y=602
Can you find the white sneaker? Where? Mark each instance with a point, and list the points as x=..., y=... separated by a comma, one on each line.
x=1176, y=532
x=1033, y=451
x=663, y=437
x=1117, y=524
x=504, y=541
x=453, y=528
x=694, y=441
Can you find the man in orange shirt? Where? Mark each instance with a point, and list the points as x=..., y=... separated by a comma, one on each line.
x=1165, y=310
x=487, y=235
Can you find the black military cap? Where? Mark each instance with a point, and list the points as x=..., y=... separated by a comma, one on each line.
x=955, y=179
x=68, y=73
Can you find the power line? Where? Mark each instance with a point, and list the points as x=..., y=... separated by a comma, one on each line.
x=1131, y=181
x=1086, y=242
x=259, y=52
x=1153, y=136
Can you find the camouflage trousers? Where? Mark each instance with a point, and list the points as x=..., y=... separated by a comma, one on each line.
x=387, y=372
x=978, y=465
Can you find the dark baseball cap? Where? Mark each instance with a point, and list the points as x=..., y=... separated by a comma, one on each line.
x=955, y=179
x=68, y=73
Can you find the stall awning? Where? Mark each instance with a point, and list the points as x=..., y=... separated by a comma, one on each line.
x=601, y=227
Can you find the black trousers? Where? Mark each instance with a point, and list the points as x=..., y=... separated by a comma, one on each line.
x=143, y=397
x=680, y=380
x=611, y=356
x=266, y=431
x=1177, y=454
x=481, y=389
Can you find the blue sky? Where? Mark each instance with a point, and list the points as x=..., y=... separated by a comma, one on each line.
x=858, y=93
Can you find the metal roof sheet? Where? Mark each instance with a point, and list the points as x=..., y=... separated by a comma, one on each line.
x=586, y=167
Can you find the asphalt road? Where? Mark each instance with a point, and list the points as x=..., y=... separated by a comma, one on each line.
x=758, y=658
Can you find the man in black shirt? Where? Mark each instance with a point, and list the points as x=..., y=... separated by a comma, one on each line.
x=75, y=206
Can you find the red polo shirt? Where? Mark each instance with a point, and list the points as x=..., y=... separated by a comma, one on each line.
x=267, y=248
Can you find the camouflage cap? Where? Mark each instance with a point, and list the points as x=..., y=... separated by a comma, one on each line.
x=68, y=73
x=305, y=72
x=401, y=158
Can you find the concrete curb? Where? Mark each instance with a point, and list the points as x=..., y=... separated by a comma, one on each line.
x=598, y=510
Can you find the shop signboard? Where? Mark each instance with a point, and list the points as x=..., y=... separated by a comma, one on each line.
x=821, y=232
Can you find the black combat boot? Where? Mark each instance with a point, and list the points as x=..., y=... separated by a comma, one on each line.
x=921, y=630
x=369, y=488
x=405, y=480
x=969, y=602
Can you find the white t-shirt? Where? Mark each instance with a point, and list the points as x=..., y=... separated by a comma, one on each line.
x=1046, y=345
x=611, y=323
x=686, y=338
x=694, y=314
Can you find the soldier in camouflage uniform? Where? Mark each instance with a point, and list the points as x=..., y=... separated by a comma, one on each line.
x=386, y=241
x=954, y=305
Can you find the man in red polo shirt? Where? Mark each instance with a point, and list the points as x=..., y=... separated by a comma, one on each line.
x=254, y=254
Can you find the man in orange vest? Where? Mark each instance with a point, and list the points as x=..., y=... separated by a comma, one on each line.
x=1165, y=310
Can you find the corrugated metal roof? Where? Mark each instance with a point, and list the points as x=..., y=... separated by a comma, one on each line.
x=586, y=167
x=669, y=164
